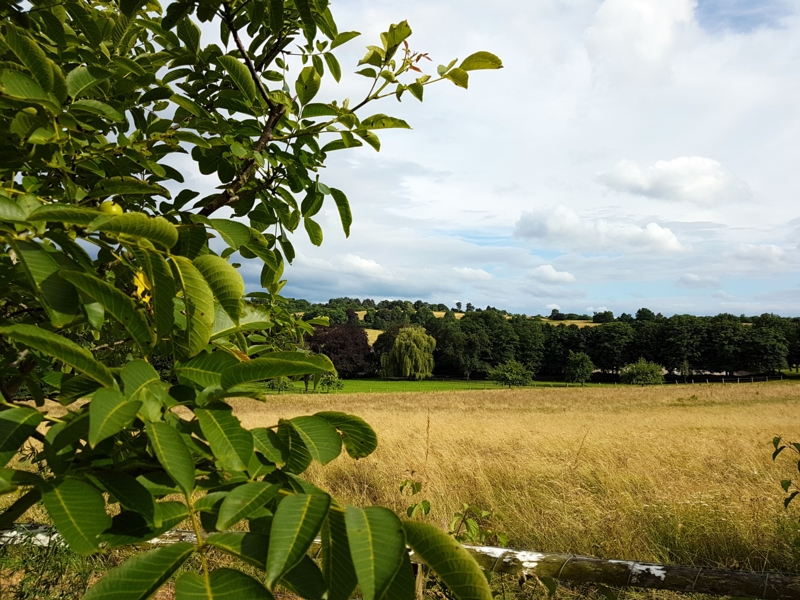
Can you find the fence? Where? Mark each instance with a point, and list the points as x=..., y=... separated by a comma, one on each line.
x=568, y=567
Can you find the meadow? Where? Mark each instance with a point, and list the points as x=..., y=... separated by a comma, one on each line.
x=672, y=474
x=675, y=474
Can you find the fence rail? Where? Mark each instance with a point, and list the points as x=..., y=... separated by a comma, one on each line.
x=569, y=567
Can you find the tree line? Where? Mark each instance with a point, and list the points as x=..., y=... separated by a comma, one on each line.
x=483, y=339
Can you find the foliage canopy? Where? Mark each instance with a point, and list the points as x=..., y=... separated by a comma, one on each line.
x=107, y=267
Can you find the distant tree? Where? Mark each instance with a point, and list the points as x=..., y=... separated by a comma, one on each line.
x=529, y=349
x=721, y=352
x=470, y=307
x=501, y=335
x=557, y=315
x=458, y=306
x=384, y=343
x=681, y=343
x=346, y=345
x=793, y=341
x=330, y=383
x=411, y=355
x=422, y=316
x=605, y=316
x=625, y=318
x=608, y=345
x=645, y=314
x=641, y=373
x=764, y=350
x=579, y=368
x=510, y=373
x=559, y=340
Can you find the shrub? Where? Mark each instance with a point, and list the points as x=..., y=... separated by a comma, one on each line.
x=511, y=373
x=579, y=368
x=642, y=373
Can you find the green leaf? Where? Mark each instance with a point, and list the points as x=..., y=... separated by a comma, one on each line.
x=343, y=38
x=60, y=348
x=58, y=297
x=118, y=304
x=140, y=226
x=337, y=564
x=276, y=364
x=19, y=507
x=64, y=213
x=253, y=318
x=381, y=121
x=32, y=56
x=21, y=87
x=221, y=584
x=199, y=305
x=345, y=214
x=269, y=444
x=306, y=580
x=298, y=457
x=130, y=494
x=101, y=109
x=334, y=66
x=276, y=16
x=231, y=443
x=130, y=186
x=140, y=381
x=82, y=79
x=377, y=545
x=192, y=138
x=370, y=138
x=249, y=547
x=139, y=577
x=16, y=426
x=10, y=210
x=480, y=60
x=243, y=500
x=225, y=282
x=307, y=17
x=173, y=454
x=109, y=413
x=294, y=527
x=402, y=586
x=234, y=233
x=314, y=230
x=322, y=440
x=307, y=84
x=359, y=438
x=162, y=289
x=448, y=559
x=240, y=76
x=458, y=76
x=206, y=368
x=79, y=513
x=315, y=109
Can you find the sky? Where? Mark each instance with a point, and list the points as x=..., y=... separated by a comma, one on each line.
x=630, y=153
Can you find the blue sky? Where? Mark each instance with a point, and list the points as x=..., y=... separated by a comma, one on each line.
x=631, y=153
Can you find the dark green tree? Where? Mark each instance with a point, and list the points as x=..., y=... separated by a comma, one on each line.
x=529, y=349
x=609, y=344
x=511, y=373
x=764, y=350
x=578, y=368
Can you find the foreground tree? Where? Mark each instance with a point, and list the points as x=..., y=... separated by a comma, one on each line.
x=103, y=247
x=641, y=373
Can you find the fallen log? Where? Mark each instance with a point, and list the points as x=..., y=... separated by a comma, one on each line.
x=568, y=567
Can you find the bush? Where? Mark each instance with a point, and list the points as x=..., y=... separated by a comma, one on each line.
x=642, y=373
x=330, y=383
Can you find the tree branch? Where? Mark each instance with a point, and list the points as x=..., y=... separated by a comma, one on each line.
x=230, y=193
x=248, y=61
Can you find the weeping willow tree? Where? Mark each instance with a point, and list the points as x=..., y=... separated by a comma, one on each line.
x=411, y=356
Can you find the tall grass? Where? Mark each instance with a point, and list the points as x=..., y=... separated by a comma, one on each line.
x=676, y=475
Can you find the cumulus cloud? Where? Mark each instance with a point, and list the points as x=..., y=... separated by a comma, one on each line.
x=692, y=281
x=634, y=40
x=764, y=255
x=549, y=274
x=562, y=226
x=696, y=179
x=553, y=307
x=472, y=274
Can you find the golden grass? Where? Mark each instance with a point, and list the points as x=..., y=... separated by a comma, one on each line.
x=580, y=323
x=372, y=335
x=439, y=314
x=669, y=474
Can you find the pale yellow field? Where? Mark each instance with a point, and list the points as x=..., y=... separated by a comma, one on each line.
x=372, y=335
x=679, y=475
x=570, y=322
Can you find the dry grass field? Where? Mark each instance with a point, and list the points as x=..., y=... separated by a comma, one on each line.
x=677, y=475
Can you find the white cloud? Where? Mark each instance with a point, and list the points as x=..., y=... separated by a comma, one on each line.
x=563, y=227
x=472, y=274
x=553, y=307
x=696, y=179
x=690, y=280
x=549, y=274
x=723, y=295
x=634, y=40
x=760, y=254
